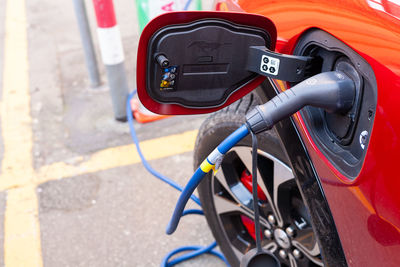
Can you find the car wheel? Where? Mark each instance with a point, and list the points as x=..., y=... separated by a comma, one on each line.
x=227, y=200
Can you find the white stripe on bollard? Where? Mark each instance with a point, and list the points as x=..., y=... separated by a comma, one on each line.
x=112, y=52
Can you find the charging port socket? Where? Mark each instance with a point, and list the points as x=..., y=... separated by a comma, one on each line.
x=342, y=138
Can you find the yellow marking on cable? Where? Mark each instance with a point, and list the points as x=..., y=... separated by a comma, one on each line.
x=121, y=156
x=21, y=227
x=206, y=166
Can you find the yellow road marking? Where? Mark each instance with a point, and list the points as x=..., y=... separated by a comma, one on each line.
x=121, y=156
x=22, y=246
x=22, y=243
x=16, y=120
x=107, y=159
x=21, y=227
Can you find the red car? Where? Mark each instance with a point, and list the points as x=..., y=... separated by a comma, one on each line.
x=329, y=193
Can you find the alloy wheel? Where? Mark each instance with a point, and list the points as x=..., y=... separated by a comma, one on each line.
x=286, y=227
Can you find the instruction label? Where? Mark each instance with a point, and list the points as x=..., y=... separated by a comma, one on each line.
x=269, y=65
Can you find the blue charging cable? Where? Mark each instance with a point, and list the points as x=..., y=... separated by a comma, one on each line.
x=194, y=250
x=210, y=163
x=187, y=4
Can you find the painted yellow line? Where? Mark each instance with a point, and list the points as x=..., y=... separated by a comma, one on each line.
x=16, y=120
x=22, y=244
x=121, y=156
x=107, y=159
x=21, y=228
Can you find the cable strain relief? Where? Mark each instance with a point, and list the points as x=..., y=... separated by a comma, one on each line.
x=256, y=122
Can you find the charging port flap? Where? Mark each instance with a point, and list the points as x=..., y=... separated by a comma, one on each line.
x=195, y=62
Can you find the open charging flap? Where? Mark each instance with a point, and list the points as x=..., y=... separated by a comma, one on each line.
x=194, y=62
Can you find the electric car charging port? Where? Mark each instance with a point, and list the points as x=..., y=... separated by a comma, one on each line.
x=342, y=137
x=342, y=126
x=339, y=126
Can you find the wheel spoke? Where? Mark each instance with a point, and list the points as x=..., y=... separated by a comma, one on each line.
x=311, y=254
x=292, y=260
x=245, y=156
x=271, y=246
x=226, y=206
x=232, y=198
x=240, y=196
x=305, y=239
x=219, y=175
x=237, y=252
x=282, y=174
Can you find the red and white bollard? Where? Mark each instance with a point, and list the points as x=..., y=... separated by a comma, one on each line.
x=112, y=55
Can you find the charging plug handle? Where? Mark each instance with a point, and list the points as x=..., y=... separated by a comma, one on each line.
x=333, y=91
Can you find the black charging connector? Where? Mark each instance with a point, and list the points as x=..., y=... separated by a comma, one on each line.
x=333, y=91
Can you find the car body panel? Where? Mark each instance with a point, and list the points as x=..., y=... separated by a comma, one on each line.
x=366, y=209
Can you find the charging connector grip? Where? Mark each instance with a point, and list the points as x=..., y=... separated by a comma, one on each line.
x=333, y=91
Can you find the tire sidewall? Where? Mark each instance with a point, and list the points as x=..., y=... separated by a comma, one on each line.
x=213, y=131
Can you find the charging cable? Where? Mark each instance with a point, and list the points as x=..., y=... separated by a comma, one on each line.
x=212, y=162
x=254, y=145
x=194, y=251
x=333, y=91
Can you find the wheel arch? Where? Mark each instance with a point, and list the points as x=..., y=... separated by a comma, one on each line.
x=309, y=184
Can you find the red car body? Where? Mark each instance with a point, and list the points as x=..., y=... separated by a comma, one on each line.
x=366, y=210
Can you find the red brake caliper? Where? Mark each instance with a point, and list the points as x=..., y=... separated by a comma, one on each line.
x=246, y=180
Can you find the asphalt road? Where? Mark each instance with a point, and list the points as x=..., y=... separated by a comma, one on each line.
x=72, y=191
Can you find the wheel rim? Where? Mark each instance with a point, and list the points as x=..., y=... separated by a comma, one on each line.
x=281, y=208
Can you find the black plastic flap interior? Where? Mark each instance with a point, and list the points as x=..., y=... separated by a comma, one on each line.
x=205, y=64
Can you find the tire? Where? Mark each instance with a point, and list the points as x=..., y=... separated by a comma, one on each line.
x=230, y=224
